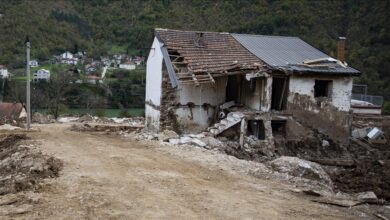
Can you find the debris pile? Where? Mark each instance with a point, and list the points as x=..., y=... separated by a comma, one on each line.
x=86, y=127
x=8, y=127
x=87, y=118
x=22, y=167
x=372, y=135
x=302, y=168
x=42, y=119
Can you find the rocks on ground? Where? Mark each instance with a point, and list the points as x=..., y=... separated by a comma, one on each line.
x=22, y=167
x=9, y=127
x=42, y=119
x=301, y=168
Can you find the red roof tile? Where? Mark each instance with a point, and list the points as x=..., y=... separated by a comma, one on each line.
x=209, y=51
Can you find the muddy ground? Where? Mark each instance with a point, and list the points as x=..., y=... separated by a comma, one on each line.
x=363, y=167
x=121, y=177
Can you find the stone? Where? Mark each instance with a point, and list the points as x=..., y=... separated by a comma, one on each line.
x=198, y=142
x=212, y=142
x=368, y=196
x=85, y=118
x=174, y=141
x=325, y=143
x=40, y=118
x=166, y=135
x=9, y=127
x=297, y=167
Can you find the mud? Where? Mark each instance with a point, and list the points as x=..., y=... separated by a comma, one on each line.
x=355, y=168
x=21, y=167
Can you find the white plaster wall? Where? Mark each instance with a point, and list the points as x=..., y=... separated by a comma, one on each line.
x=254, y=99
x=197, y=121
x=153, y=85
x=302, y=86
x=154, y=74
x=152, y=117
x=213, y=94
x=341, y=89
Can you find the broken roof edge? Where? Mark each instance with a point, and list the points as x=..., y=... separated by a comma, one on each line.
x=171, y=72
x=263, y=35
x=311, y=72
x=343, y=70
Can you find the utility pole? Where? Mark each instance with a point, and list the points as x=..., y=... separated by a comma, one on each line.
x=28, y=83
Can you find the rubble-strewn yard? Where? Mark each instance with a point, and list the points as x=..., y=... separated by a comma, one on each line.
x=111, y=172
x=22, y=167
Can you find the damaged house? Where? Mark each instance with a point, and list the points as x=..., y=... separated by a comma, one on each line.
x=257, y=84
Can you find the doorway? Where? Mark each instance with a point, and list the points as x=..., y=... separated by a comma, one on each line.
x=279, y=93
x=233, y=89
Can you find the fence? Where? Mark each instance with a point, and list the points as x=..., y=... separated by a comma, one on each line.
x=374, y=99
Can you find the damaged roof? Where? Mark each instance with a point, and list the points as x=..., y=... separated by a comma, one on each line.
x=290, y=54
x=209, y=51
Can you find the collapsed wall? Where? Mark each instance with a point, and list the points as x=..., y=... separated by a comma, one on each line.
x=327, y=110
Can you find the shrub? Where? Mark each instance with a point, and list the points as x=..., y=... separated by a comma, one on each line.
x=101, y=112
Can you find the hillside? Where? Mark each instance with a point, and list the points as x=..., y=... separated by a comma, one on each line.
x=103, y=26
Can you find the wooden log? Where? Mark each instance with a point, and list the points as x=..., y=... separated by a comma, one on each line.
x=335, y=162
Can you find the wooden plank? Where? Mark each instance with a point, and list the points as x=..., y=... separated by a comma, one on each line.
x=283, y=91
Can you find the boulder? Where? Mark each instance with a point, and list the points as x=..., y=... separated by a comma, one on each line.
x=212, y=142
x=85, y=118
x=368, y=197
x=41, y=119
x=297, y=167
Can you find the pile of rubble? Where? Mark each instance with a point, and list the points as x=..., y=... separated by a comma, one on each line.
x=87, y=118
x=42, y=119
x=21, y=166
x=89, y=127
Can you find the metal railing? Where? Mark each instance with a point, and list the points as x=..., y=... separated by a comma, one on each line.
x=374, y=99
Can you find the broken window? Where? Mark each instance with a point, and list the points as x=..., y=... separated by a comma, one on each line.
x=278, y=128
x=256, y=128
x=323, y=88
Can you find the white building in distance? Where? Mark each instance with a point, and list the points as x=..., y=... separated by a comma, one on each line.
x=34, y=63
x=128, y=65
x=41, y=75
x=3, y=72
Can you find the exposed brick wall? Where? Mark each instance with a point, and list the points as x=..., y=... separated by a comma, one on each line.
x=168, y=118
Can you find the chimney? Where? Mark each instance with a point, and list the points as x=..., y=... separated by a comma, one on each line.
x=199, y=40
x=341, y=49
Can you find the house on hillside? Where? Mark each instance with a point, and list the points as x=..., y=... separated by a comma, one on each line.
x=11, y=111
x=3, y=72
x=41, y=75
x=128, y=65
x=255, y=84
x=69, y=58
x=34, y=63
x=139, y=60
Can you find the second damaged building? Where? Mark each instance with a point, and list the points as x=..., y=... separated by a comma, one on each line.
x=199, y=81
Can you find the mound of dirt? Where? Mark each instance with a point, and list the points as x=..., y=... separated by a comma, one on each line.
x=301, y=168
x=21, y=167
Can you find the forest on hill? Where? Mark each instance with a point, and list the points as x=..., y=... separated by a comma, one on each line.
x=109, y=26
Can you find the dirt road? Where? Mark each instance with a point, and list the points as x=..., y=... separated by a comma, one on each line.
x=109, y=177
